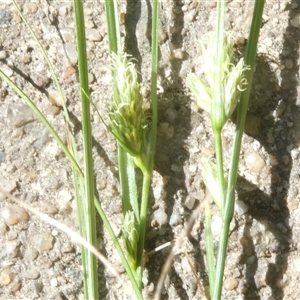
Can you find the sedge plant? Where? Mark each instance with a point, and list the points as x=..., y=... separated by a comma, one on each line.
x=135, y=133
x=225, y=85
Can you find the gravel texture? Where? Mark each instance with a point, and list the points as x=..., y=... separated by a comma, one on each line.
x=39, y=262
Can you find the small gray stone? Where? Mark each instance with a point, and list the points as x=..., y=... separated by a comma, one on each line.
x=179, y=54
x=31, y=274
x=162, y=36
x=3, y=54
x=160, y=216
x=241, y=207
x=286, y=159
x=13, y=214
x=30, y=8
x=12, y=248
x=189, y=16
x=37, y=287
x=14, y=286
x=43, y=242
x=186, y=267
x=17, y=115
x=295, y=22
x=12, y=235
x=71, y=53
x=175, y=219
x=5, y=17
x=30, y=254
x=93, y=34
x=289, y=64
x=189, y=202
x=254, y=162
x=55, y=98
x=7, y=70
x=2, y=157
x=251, y=260
x=49, y=209
x=3, y=228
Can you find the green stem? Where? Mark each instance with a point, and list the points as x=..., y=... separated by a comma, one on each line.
x=218, y=117
x=220, y=168
x=114, y=36
x=210, y=258
x=89, y=217
x=250, y=58
x=143, y=223
x=122, y=165
x=154, y=68
x=151, y=140
x=221, y=259
x=242, y=112
x=133, y=193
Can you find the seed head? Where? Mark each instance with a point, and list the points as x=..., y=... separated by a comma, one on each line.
x=209, y=173
x=127, y=118
x=232, y=78
x=131, y=238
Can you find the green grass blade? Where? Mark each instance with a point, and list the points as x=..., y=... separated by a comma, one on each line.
x=153, y=132
x=87, y=202
x=154, y=70
x=113, y=28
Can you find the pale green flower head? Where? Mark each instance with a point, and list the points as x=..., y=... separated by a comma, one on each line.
x=234, y=84
x=131, y=237
x=209, y=173
x=232, y=77
x=127, y=118
x=201, y=92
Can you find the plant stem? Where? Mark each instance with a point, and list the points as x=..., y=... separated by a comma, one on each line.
x=152, y=137
x=220, y=168
x=242, y=111
x=133, y=193
x=113, y=28
x=217, y=108
x=210, y=258
x=143, y=222
x=250, y=58
x=122, y=164
x=154, y=68
x=89, y=217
